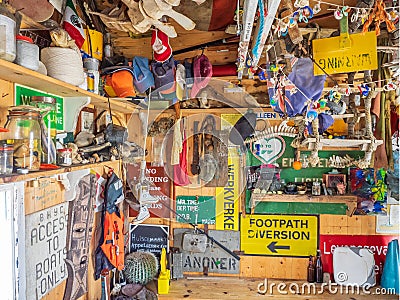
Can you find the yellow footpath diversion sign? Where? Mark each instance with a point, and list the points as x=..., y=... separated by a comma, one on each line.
x=342, y=54
x=279, y=235
x=227, y=197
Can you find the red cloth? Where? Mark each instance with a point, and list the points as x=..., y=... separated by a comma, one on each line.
x=181, y=177
x=224, y=70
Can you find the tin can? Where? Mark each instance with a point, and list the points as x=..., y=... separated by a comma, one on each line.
x=90, y=81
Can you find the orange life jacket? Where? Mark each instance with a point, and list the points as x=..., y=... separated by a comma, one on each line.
x=113, y=245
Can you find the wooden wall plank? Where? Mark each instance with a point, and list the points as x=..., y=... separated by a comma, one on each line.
x=6, y=99
x=130, y=47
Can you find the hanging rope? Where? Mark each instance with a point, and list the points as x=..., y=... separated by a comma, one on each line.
x=261, y=31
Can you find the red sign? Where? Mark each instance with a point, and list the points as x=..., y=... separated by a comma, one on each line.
x=161, y=189
x=376, y=243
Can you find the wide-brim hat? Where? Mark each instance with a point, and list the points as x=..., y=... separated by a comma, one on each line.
x=143, y=78
x=202, y=71
x=243, y=128
x=162, y=50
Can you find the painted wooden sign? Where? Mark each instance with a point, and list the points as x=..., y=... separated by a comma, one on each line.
x=268, y=150
x=161, y=190
x=151, y=238
x=279, y=235
x=376, y=243
x=43, y=193
x=195, y=209
x=227, y=197
x=45, y=240
x=333, y=59
x=56, y=117
x=215, y=259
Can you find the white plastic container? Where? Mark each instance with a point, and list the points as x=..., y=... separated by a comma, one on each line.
x=7, y=38
x=27, y=53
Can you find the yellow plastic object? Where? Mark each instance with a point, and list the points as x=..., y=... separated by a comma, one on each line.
x=345, y=53
x=165, y=274
x=96, y=41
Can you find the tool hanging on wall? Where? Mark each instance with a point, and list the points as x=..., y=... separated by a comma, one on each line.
x=208, y=163
x=195, y=167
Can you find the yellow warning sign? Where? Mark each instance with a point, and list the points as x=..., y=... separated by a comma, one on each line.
x=227, y=197
x=279, y=235
x=333, y=58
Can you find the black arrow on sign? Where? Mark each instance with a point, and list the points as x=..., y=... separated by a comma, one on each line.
x=273, y=247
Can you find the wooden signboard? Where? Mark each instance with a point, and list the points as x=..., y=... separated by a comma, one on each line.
x=215, y=259
x=45, y=240
x=195, y=209
x=56, y=118
x=334, y=59
x=227, y=197
x=151, y=238
x=279, y=235
x=43, y=193
x=161, y=189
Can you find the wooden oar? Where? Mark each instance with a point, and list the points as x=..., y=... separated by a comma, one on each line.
x=250, y=8
x=264, y=25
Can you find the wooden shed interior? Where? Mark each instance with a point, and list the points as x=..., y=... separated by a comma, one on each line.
x=200, y=149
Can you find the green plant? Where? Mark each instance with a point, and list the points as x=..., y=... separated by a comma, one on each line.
x=140, y=267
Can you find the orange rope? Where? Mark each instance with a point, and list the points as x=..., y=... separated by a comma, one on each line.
x=379, y=15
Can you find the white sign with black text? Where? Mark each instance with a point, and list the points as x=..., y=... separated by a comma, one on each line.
x=45, y=241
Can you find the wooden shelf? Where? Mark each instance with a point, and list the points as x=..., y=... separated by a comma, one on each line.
x=338, y=144
x=18, y=74
x=349, y=200
x=39, y=174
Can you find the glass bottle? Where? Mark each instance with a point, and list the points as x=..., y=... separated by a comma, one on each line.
x=319, y=274
x=311, y=270
x=48, y=121
x=25, y=135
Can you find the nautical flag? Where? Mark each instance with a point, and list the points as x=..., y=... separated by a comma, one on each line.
x=72, y=24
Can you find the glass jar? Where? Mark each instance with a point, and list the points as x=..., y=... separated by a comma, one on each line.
x=27, y=53
x=7, y=35
x=25, y=135
x=6, y=158
x=316, y=188
x=48, y=120
x=64, y=157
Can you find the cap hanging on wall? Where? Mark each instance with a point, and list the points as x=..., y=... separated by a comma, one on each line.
x=162, y=51
x=202, y=71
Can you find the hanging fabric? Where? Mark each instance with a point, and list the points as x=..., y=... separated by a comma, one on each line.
x=110, y=251
x=181, y=177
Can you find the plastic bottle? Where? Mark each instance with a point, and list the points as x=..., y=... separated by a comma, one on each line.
x=319, y=273
x=311, y=270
